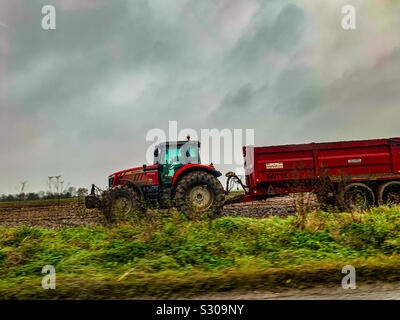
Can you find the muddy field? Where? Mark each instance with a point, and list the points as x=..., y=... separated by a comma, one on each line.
x=73, y=214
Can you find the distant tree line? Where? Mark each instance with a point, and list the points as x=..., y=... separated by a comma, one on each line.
x=71, y=192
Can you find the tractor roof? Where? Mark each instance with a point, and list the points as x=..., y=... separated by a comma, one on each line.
x=179, y=143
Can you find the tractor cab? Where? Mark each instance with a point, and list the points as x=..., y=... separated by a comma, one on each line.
x=171, y=156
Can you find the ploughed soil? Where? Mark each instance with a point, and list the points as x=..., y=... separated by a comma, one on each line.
x=49, y=216
x=54, y=214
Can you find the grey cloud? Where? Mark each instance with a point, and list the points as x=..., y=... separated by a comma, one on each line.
x=368, y=91
x=78, y=5
x=295, y=92
x=262, y=85
x=283, y=35
x=79, y=100
x=241, y=99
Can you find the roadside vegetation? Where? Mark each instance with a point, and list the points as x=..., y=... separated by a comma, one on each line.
x=172, y=256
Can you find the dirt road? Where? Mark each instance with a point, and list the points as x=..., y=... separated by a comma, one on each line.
x=375, y=291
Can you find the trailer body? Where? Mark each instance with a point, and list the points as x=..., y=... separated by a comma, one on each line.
x=276, y=170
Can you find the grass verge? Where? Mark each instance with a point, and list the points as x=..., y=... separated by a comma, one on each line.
x=172, y=257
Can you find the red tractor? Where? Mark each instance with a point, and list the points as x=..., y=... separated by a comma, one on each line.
x=175, y=179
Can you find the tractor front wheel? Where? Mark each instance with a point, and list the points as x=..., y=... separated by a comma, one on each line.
x=199, y=193
x=121, y=203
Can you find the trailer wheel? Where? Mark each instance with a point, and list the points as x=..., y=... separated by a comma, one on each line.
x=389, y=193
x=357, y=197
x=121, y=203
x=199, y=193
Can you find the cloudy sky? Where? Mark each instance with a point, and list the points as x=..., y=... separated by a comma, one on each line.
x=79, y=100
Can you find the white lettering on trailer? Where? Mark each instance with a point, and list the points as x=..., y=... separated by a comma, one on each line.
x=274, y=165
x=354, y=161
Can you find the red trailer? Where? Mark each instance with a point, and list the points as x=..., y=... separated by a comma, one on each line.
x=356, y=174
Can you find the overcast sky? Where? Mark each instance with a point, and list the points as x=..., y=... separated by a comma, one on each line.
x=79, y=100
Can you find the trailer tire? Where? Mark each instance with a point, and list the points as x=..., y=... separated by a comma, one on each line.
x=121, y=203
x=357, y=197
x=199, y=193
x=389, y=193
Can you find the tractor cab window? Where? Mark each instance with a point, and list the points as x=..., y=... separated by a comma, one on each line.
x=180, y=155
x=173, y=156
x=176, y=154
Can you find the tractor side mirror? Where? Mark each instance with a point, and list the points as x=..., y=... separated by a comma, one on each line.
x=156, y=152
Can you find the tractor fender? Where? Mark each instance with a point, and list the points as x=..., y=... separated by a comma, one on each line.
x=134, y=186
x=193, y=167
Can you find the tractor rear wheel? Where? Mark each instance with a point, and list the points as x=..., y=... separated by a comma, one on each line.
x=121, y=203
x=199, y=193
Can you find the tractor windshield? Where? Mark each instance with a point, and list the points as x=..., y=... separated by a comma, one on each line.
x=176, y=153
x=171, y=156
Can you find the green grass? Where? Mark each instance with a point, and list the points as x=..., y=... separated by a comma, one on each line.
x=174, y=256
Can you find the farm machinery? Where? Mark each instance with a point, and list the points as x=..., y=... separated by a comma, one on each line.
x=353, y=175
x=177, y=178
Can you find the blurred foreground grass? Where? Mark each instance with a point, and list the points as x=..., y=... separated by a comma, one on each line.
x=173, y=256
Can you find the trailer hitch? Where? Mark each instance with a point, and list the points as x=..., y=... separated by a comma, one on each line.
x=234, y=179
